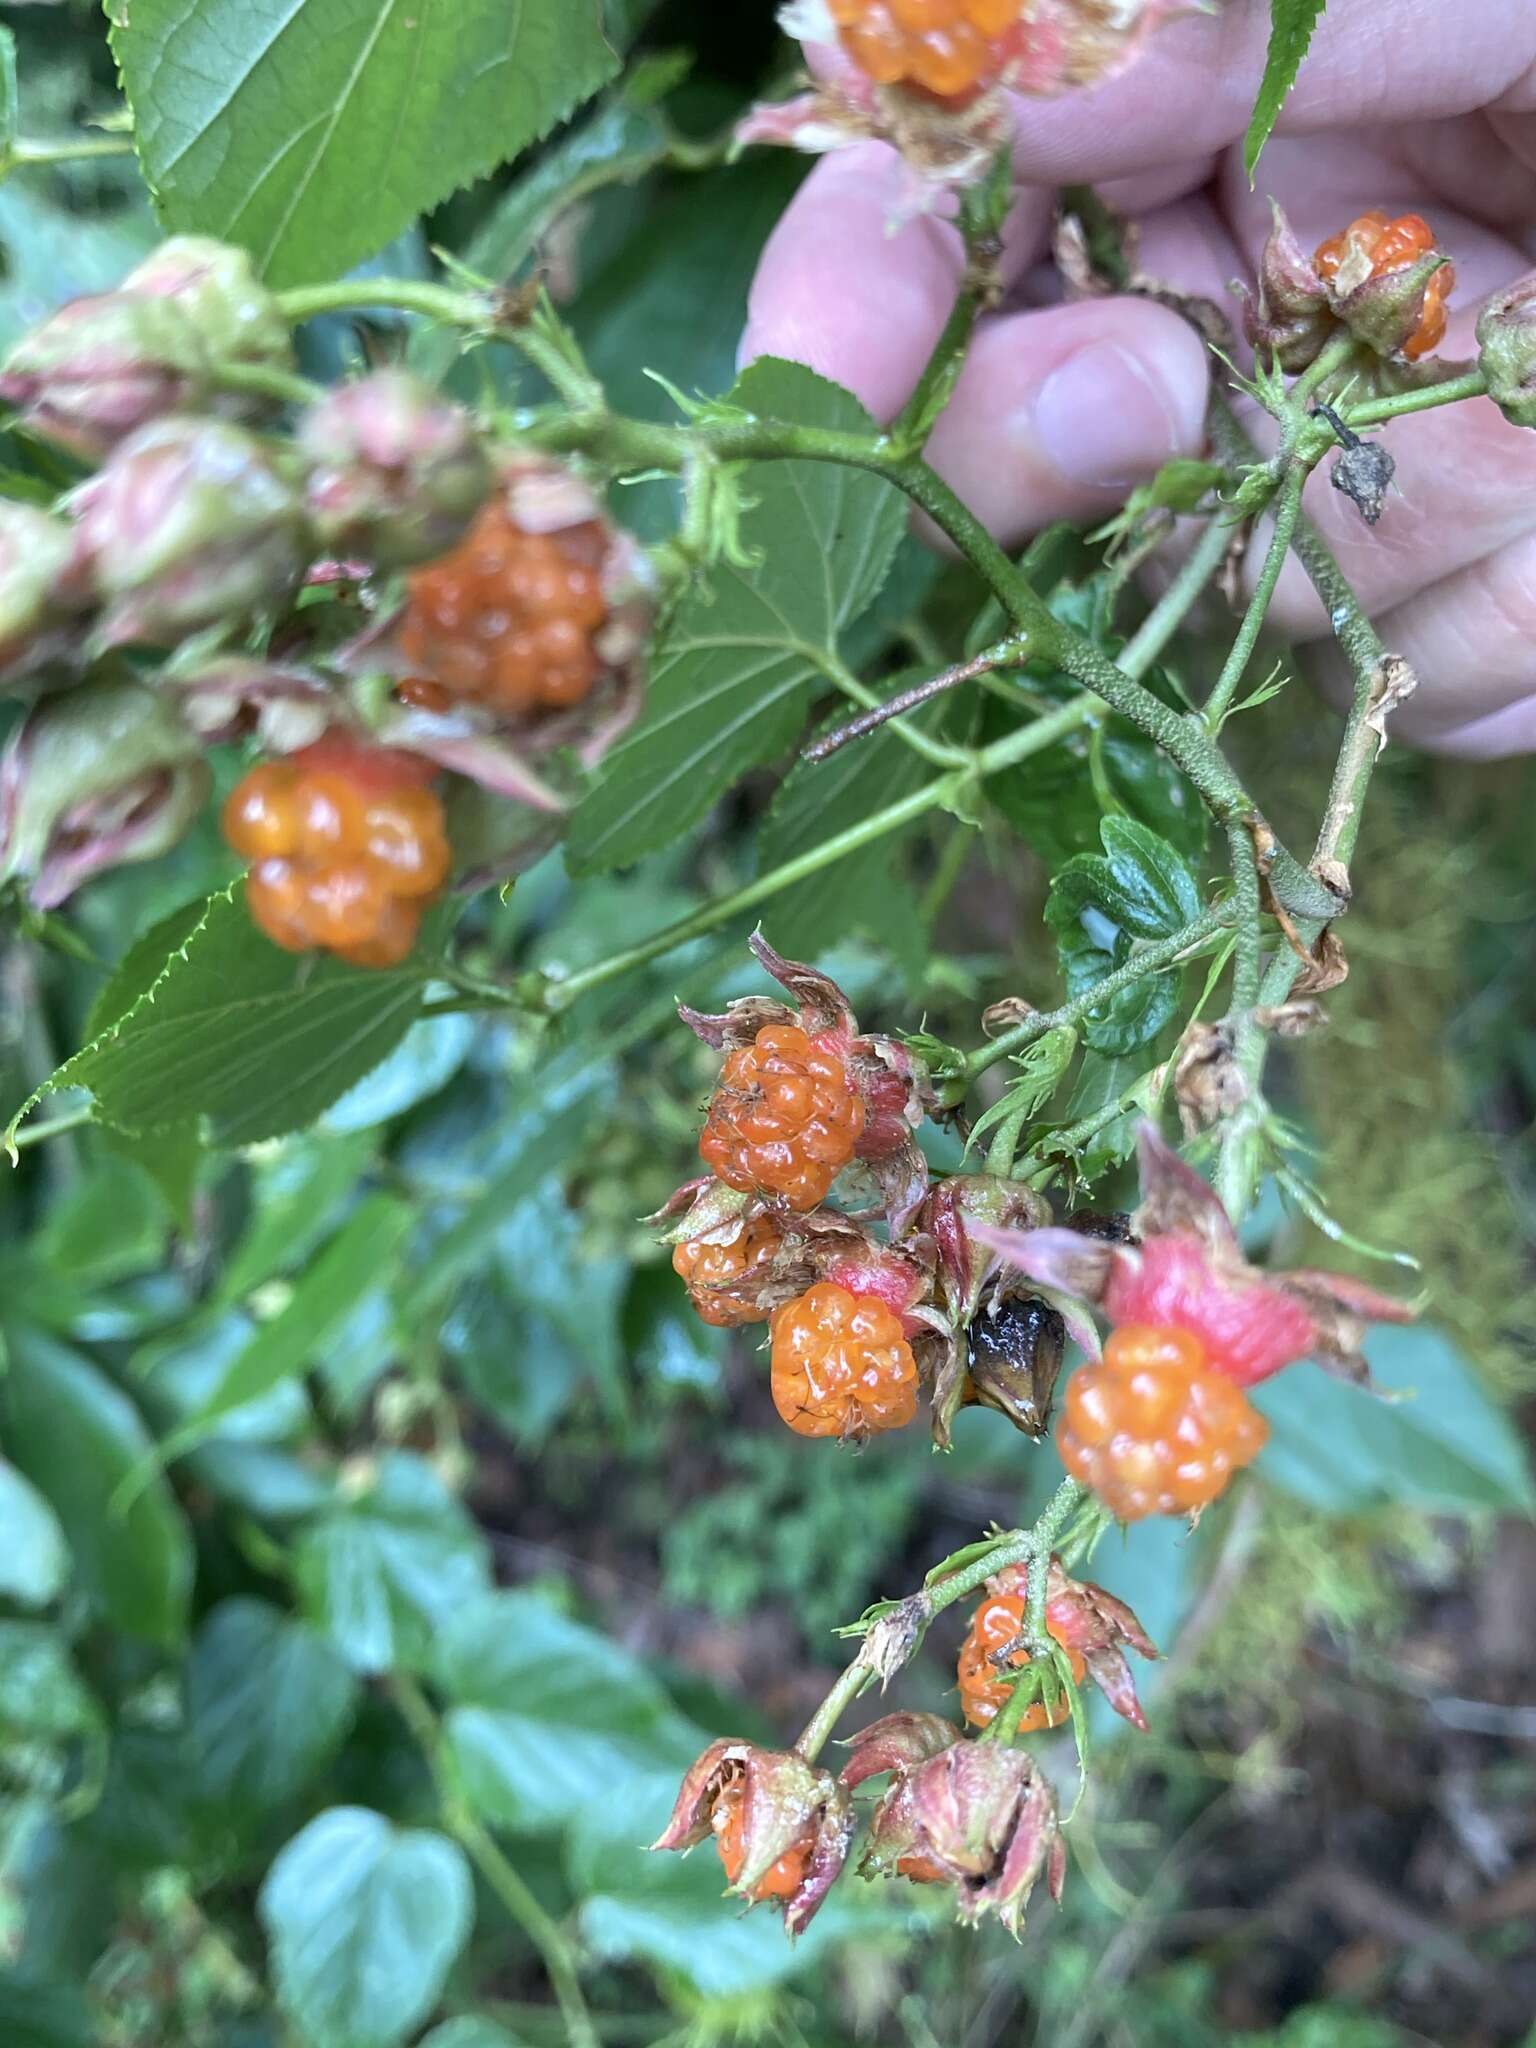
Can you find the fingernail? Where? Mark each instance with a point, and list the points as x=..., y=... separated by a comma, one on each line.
x=1105, y=417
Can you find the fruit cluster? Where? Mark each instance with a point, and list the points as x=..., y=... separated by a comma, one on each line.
x=1155, y=1428
x=997, y=1626
x=510, y=618
x=1375, y=246
x=347, y=845
x=515, y=632
x=951, y=49
x=784, y=1119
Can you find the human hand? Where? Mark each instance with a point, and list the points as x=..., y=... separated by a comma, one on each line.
x=1423, y=106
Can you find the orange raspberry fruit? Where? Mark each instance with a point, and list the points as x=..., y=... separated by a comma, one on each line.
x=509, y=618
x=1151, y=1429
x=782, y=1879
x=841, y=1366
x=347, y=844
x=706, y=1269
x=996, y=1623
x=1386, y=246
x=952, y=49
x=785, y=1118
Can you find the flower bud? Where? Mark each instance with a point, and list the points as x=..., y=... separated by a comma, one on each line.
x=188, y=524
x=896, y=1742
x=102, y=367
x=217, y=290
x=978, y=1817
x=1506, y=342
x=95, y=778
x=1291, y=318
x=783, y=1827
x=39, y=584
x=397, y=473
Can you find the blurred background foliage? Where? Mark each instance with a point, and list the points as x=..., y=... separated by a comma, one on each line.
x=480, y=1373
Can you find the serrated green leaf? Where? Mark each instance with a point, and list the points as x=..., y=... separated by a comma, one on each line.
x=365, y=1921
x=734, y=666
x=34, y=1558
x=40, y=1692
x=357, y=1259
x=231, y=1028
x=1291, y=25
x=385, y=1566
x=1142, y=889
x=527, y=1744
x=1445, y=1447
x=313, y=131
x=78, y=1438
x=268, y=1703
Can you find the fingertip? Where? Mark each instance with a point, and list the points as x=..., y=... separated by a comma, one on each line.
x=841, y=291
x=1059, y=413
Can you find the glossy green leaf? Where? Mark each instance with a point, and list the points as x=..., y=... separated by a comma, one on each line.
x=312, y=131
x=78, y=1438
x=529, y=1737
x=34, y=1558
x=734, y=666
x=268, y=1703
x=108, y=1225
x=1292, y=23
x=360, y=1255
x=296, y=1197
x=1441, y=1445
x=388, y=1564
x=1139, y=889
x=231, y=1028
x=365, y=1921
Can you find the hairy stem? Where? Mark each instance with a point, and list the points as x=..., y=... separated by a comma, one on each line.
x=1287, y=513
x=556, y=1952
x=818, y=1730
x=1176, y=602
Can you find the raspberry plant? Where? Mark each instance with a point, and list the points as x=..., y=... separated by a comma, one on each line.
x=333, y=1118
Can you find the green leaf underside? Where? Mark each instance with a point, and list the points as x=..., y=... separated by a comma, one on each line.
x=1443, y=1447
x=734, y=666
x=1291, y=25
x=231, y=1028
x=365, y=1921
x=312, y=131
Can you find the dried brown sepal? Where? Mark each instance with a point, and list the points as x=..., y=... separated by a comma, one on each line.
x=896, y=1742
x=1208, y=1083
x=1083, y=1617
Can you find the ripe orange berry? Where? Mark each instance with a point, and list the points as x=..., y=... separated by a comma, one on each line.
x=951, y=49
x=704, y=1269
x=347, y=844
x=1376, y=246
x=1151, y=1430
x=509, y=618
x=996, y=1623
x=782, y=1879
x=784, y=1120
x=841, y=1366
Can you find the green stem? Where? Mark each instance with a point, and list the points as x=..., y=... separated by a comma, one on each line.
x=24, y=153
x=842, y=678
x=542, y=1930
x=1375, y=412
x=52, y=1127
x=1147, y=961
x=1287, y=514
x=1237, y=1166
x=1059, y=1510
x=446, y=304
x=1171, y=609
x=1006, y=1142
x=950, y=787
x=266, y=380
x=818, y=1730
